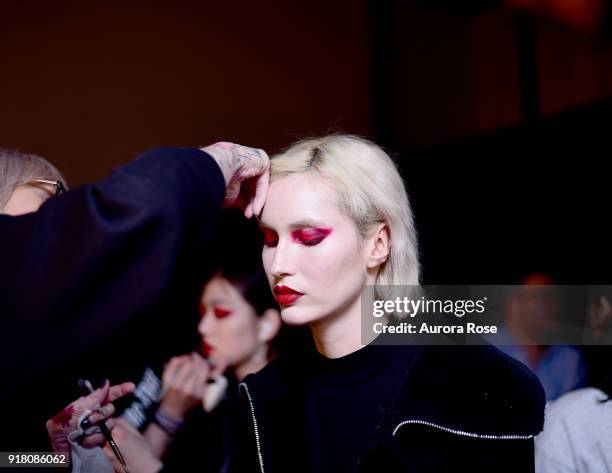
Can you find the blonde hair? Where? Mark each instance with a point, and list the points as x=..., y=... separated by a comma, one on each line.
x=371, y=192
x=18, y=169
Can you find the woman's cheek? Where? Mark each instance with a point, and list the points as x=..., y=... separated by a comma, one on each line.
x=327, y=261
x=266, y=259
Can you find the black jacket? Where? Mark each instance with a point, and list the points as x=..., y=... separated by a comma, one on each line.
x=93, y=278
x=459, y=409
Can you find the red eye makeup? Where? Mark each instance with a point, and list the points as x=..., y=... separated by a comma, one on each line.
x=310, y=236
x=221, y=313
x=270, y=237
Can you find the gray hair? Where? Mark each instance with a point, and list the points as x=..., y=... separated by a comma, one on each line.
x=18, y=169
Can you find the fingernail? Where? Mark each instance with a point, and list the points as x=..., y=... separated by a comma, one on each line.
x=104, y=383
x=85, y=423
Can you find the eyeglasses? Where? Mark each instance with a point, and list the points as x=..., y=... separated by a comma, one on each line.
x=59, y=187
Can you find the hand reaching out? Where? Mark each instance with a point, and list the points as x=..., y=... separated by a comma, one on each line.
x=99, y=403
x=246, y=173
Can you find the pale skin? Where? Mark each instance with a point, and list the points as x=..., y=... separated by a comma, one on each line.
x=245, y=171
x=27, y=199
x=331, y=274
x=233, y=332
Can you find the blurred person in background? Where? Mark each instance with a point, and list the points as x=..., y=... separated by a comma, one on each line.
x=578, y=426
x=532, y=317
x=191, y=427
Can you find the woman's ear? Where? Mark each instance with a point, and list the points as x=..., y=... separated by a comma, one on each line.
x=380, y=246
x=269, y=325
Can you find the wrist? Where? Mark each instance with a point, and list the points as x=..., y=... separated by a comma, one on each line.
x=173, y=410
x=170, y=425
x=222, y=155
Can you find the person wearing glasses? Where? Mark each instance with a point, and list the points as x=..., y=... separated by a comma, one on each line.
x=26, y=181
x=94, y=272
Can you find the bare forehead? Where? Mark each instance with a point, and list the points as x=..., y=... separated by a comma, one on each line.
x=300, y=199
x=220, y=288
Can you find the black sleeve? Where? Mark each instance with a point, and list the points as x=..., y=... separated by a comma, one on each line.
x=100, y=255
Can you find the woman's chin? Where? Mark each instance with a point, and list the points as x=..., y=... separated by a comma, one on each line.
x=295, y=315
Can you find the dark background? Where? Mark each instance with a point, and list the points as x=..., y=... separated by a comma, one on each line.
x=499, y=120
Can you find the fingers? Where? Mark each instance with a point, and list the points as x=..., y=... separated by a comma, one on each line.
x=239, y=164
x=232, y=192
x=186, y=373
x=255, y=166
x=94, y=437
x=253, y=162
x=201, y=373
x=122, y=427
x=96, y=397
x=171, y=369
x=261, y=190
x=93, y=440
x=102, y=414
x=119, y=390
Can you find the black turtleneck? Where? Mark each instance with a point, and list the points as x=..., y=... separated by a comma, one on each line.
x=345, y=400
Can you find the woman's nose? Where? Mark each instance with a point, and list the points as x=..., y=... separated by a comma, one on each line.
x=282, y=262
x=205, y=326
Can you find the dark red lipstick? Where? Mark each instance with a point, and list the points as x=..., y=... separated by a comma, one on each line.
x=206, y=349
x=285, y=295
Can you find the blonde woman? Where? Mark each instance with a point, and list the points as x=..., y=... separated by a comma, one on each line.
x=337, y=218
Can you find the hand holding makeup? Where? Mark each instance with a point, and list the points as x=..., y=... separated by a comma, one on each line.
x=183, y=385
x=99, y=401
x=246, y=175
x=135, y=449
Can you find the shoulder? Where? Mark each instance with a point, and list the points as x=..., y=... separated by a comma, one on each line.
x=481, y=367
x=581, y=406
x=476, y=388
x=576, y=429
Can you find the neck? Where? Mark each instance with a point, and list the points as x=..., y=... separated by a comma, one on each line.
x=339, y=334
x=255, y=363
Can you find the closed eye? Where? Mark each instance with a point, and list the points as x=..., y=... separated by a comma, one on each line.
x=310, y=236
x=220, y=312
x=270, y=237
x=312, y=242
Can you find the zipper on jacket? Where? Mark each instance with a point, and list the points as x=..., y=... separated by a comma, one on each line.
x=255, y=428
x=461, y=432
